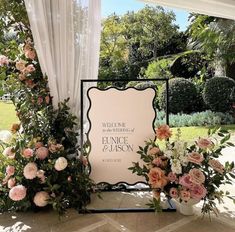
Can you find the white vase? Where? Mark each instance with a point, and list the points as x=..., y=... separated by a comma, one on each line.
x=187, y=208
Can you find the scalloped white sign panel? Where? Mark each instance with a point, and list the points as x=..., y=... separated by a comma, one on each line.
x=120, y=122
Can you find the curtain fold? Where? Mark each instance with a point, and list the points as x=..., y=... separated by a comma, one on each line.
x=67, y=39
x=217, y=8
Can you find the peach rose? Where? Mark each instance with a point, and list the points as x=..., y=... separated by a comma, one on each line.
x=196, y=176
x=198, y=192
x=11, y=183
x=163, y=132
x=204, y=143
x=27, y=152
x=38, y=144
x=157, y=161
x=9, y=153
x=15, y=127
x=216, y=165
x=10, y=170
x=42, y=153
x=185, y=195
x=157, y=178
x=60, y=164
x=185, y=181
x=3, y=60
x=41, y=199
x=17, y=193
x=30, y=171
x=20, y=65
x=47, y=99
x=153, y=151
x=172, y=177
x=174, y=193
x=195, y=157
x=30, y=54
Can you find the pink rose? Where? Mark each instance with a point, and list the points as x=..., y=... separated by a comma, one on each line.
x=30, y=171
x=163, y=132
x=41, y=199
x=204, y=143
x=196, y=176
x=20, y=65
x=11, y=183
x=10, y=170
x=30, y=68
x=3, y=60
x=157, y=161
x=153, y=151
x=42, y=153
x=157, y=178
x=172, y=177
x=27, y=152
x=38, y=144
x=198, y=192
x=30, y=54
x=174, y=193
x=195, y=157
x=185, y=181
x=184, y=195
x=9, y=153
x=216, y=165
x=17, y=193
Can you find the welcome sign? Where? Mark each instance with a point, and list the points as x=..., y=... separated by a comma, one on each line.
x=120, y=122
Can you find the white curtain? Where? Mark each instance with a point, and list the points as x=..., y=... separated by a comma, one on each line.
x=67, y=39
x=217, y=8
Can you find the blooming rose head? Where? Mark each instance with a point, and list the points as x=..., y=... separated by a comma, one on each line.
x=174, y=193
x=42, y=153
x=30, y=171
x=11, y=183
x=216, y=165
x=17, y=193
x=198, y=192
x=172, y=177
x=27, y=152
x=15, y=127
x=9, y=153
x=157, y=162
x=195, y=157
x=10, y=170
x=184, y=195
x=153, y=151
x=30, y=54
x=185, y=181
x=41, y=199
x=157, y=178
x=5, y=136
x=196, y=176
x=163, y=132
x=204, y=143
x=30, y=68
x=30, y=84
x=20, y=65
x=60, y=164
x=3, y=60
x=38, y=144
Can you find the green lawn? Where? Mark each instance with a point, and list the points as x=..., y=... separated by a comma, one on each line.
x=7, y=115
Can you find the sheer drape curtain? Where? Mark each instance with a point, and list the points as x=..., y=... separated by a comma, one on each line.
x=67, y=38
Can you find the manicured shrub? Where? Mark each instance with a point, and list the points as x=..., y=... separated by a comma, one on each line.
x=182, y=96
x=217, y=93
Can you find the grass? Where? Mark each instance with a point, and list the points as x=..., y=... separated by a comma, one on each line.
x=7, y=115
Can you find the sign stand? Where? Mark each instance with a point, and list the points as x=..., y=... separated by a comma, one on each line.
x=120, y=186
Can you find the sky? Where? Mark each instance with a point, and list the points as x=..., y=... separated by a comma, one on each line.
x=122, y=6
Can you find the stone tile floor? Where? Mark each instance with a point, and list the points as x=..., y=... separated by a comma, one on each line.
x=128, y=222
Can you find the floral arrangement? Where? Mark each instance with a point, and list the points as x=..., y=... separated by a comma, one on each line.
x=186, y=172
x=40, y=164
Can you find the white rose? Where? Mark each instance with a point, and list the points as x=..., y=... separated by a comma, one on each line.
x=61, y=163
x=176, y=167
x=41, y=199
x=5, y=136
x=30, y=171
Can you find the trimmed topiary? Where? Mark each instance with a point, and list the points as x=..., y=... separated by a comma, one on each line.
x=182, y=96
x=217, y=93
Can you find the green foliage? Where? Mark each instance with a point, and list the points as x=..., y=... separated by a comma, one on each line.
x=159, y=69
x=206, y=118
x=182, y=96
x=217, y=93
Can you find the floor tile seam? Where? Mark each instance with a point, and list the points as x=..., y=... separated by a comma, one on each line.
x=92, y=226
x=115, y=224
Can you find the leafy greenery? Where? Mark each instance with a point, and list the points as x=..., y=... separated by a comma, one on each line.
x=217, y=93
x=182, y=96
